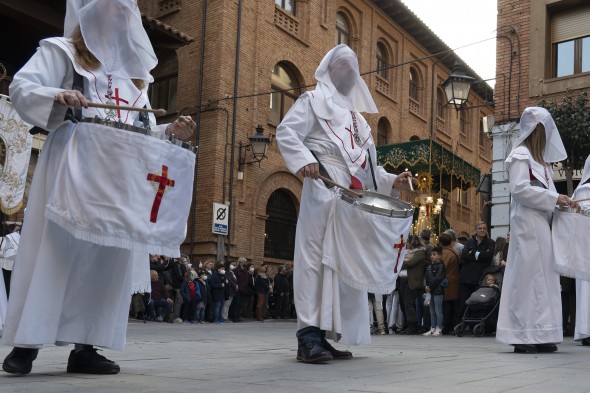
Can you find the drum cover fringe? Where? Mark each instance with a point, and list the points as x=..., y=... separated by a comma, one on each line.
x=119, y=241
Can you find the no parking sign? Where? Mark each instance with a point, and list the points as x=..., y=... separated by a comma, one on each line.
x=220, y=218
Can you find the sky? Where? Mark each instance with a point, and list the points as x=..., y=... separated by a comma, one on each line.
x=463, y=22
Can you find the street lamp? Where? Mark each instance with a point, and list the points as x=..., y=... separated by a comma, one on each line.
x=457, y=86
x=258, y=145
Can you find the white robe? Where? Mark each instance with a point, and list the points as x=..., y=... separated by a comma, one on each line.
x=321, y=298
x=63, y=290
x=582, y=330
x=530, y=307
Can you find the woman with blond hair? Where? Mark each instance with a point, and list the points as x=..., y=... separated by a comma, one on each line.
x=67, y=290
x=530, y=309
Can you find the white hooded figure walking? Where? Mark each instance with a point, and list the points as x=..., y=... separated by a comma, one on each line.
x=325, y=126
x=530, y=309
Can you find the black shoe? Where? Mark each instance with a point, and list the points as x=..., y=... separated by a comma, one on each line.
x=586, y=341
x=87, y=361
x=336, y=354
x=313, y=353
x=525, y=348
x=20, y=360
x=546, y=347
x=408, y=332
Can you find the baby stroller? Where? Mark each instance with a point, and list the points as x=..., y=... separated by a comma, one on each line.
x=482, y=306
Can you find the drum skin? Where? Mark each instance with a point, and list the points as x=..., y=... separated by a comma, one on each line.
x=376, y=203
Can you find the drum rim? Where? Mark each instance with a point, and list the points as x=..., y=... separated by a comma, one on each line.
x=351, y=197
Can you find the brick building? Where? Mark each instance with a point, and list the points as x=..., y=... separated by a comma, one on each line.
x=280, y=44
x=543, y=50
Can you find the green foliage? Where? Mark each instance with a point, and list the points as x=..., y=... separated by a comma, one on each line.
x=572, y=118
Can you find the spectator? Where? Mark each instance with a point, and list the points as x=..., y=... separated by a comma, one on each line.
x=159, y=303
x=204, y=296
x=454, y=243
x=376, y=306
x=218, y=291
x=177, y=276
x=209, y=266
x=231, y=287
x=451, y=292
x=262, y=285
x=435, y=273
x=476, y=256
x=243, y=292
x=191, y=294
x=500, y=248
x=11, y=242
x=412, y=286
x=281, y=293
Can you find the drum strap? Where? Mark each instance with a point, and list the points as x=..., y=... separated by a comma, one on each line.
x=372, y=171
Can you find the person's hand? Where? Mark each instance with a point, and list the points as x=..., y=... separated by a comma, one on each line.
x=402, y=181
x=169, y=300
x=311, y=170
x=564, y=200
x=71, y=98
x=183, y=127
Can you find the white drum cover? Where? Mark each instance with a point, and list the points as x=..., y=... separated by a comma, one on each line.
x=571, y=248
x=123, y=189
x=364, y=248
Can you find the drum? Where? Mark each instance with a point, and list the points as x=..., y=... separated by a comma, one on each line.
x=376, y=203
x=119, y=186
x=365, y=239
x=571, y=247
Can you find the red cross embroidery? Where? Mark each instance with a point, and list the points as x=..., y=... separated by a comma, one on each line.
x=163, y=182
x=399, y=246
x=118, y=100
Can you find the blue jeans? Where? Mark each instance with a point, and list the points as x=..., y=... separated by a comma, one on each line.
x=436, y=311
x=200, y=314
x=155, y=308
x=217, y=309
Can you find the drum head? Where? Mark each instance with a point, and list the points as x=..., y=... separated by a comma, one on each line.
x=376, y=203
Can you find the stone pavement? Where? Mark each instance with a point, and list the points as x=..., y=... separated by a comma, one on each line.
x=260, y=357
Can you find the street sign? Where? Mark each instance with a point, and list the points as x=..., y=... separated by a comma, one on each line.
x=220, y=219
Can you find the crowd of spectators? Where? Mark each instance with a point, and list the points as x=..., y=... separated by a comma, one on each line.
x=214, y=292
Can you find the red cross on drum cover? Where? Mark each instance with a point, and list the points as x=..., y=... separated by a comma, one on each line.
x=163, y=181
x=399, y=246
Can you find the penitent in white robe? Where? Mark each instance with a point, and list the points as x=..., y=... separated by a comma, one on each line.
x=530, y=307
x=64, y=290
x=582, y=330
x=322, y=299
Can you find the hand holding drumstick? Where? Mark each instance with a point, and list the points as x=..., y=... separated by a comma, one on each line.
x=405, y=181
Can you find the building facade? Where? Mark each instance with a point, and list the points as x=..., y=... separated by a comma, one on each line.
x=543, y=51
x=234, y=65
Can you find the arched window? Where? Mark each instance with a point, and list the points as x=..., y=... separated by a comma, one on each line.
x=414, y=84
x=382, y=132
x=382, y=61
x=342, y=29
x=285, y=91
x=287, y=5
x=279, y=231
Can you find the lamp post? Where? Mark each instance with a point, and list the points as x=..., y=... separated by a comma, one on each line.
x=258, y=145
x=457, y=86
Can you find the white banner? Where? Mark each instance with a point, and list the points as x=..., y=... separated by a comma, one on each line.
x=16, y=150
x=123, y=189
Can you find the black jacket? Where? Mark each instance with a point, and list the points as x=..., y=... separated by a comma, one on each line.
x=471, y=268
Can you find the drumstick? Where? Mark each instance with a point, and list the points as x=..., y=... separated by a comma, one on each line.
x=340, y=186
x=581, y=200
x=126, y=108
